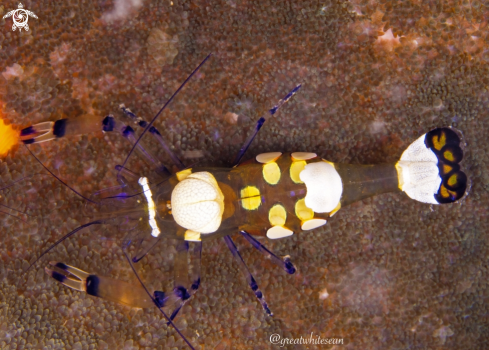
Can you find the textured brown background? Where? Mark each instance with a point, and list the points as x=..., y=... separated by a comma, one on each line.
x=385, y=273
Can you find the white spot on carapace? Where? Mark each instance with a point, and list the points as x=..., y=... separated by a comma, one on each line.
x=303, y=155
x=267, y=157
x=151, y=206
x=324, y=186
x=312, y=224
x=198, y=203
x=278, y=232
x=418, y=172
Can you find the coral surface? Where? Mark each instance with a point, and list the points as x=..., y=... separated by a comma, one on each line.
x=384, y=273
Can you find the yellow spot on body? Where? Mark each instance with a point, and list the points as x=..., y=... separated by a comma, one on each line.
x=192, y=236
x=447, y=169
x=268, y=157
x=181, y=175
x=302, y=211
x=312, y=224
x=271, y=173
x=452, y=180
x=278, y=232
x=338, y=207
x=250, y=198
x=448, y=155
x=439, y=142
x=303, y=155
x=8, y=138
x=277, y=215
x=295, y=170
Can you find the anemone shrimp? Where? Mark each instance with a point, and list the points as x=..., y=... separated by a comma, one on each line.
x=274, y=195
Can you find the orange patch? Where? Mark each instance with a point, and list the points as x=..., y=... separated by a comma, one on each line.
x=9, y=137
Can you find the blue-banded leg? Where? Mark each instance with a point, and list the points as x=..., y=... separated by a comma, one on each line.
x=111, y=124
x=156, y=134
x=86, y=124
x=187, y=281
x=284, y=263
x=260, y=123
x=249, y=277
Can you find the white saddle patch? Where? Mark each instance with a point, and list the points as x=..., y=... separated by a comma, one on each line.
x=418, y=172
x=324, y=186
x=198, y=203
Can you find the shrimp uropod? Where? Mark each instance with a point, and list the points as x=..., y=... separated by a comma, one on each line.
x=273, y=195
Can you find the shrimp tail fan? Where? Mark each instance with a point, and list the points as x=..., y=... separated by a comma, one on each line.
x=430, y=170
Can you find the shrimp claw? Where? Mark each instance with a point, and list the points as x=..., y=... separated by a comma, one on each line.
x=104, y=287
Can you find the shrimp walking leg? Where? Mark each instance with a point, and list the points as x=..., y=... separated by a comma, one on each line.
x=184, y=289
x=156, y=134
x=111, y=124
x=260, y=123
x=284, y=263
x=249, y=277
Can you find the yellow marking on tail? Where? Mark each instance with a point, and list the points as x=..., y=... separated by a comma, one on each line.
x=447, y=168
x=448, y=155
x=439, y=142
x=445, y=193
x=9, y=137
x=452, y=181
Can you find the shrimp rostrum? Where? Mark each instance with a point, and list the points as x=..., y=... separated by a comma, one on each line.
x=273, y=195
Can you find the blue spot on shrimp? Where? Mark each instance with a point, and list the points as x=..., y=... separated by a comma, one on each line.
x=269, y=193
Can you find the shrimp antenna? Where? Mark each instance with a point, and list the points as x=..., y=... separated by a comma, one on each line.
x=153, y=299
x=68, y=235
x=163, y=108
x=15, y=217
x=57, y=178
x=13, y=183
